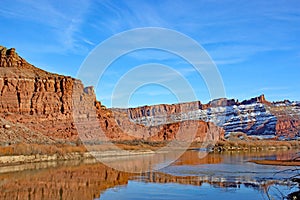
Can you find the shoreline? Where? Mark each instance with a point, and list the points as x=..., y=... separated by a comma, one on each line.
x=37, y=153
x=255, y=145
x=276, y=162
x=11, y=160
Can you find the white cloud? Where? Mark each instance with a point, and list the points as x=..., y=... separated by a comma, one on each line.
x=61, y=18
x=126, y=15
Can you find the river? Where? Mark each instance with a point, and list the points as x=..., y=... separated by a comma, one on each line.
x=193, y=176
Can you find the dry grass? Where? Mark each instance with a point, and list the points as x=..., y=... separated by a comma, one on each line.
x=226, y=145
x=32, y=149
x=139, y=145
x=62, y=149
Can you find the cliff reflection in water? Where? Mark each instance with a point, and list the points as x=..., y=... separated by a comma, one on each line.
x=82, y=180
x=68, y=181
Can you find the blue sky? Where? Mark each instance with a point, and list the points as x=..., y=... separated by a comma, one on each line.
x=255, y=44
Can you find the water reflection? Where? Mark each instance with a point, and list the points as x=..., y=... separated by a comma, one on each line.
x=227, y=175
x=168, y=191
x=67, y=180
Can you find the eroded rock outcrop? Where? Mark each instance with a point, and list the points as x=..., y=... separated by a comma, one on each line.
x=57, y=108
x=38, y=100
x=9, y=58
x=44, y=103
x=256, y=117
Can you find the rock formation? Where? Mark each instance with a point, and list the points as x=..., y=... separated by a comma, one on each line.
x=37, y=100
x=256, y=117
x=56, y=108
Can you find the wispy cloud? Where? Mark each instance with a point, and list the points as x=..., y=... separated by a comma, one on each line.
x=196, y=18
x=88, y=42
x=127, y=15
x=271, y=89
x=250, y=35
x=62, y=19
x=152, y=54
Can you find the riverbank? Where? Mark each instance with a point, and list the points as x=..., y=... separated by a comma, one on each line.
x=254, y=145
x=31, y=153
x=38, y=158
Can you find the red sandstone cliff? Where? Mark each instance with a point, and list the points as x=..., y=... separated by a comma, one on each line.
x=41, y=107
x=37, y=100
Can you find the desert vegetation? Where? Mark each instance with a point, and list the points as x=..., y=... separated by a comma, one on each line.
x=42, y=149
x=227, y=145
x=242, y=142
x=221, y=145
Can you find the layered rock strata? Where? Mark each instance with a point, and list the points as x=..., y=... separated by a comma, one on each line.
x=256, y=117
x=56, y=108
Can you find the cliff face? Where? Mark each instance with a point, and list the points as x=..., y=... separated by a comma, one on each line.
x=37, y=100
x=40, y=107
x=26, y=89
x=256, y=116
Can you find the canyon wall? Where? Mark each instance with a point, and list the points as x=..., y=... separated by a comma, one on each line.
x=41, y=107
x=37, y=100
x=255, y=117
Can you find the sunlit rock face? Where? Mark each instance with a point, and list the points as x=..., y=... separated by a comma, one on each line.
x=56, y=108
x=41, y=107
x=36, y=101
x=256, y=117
